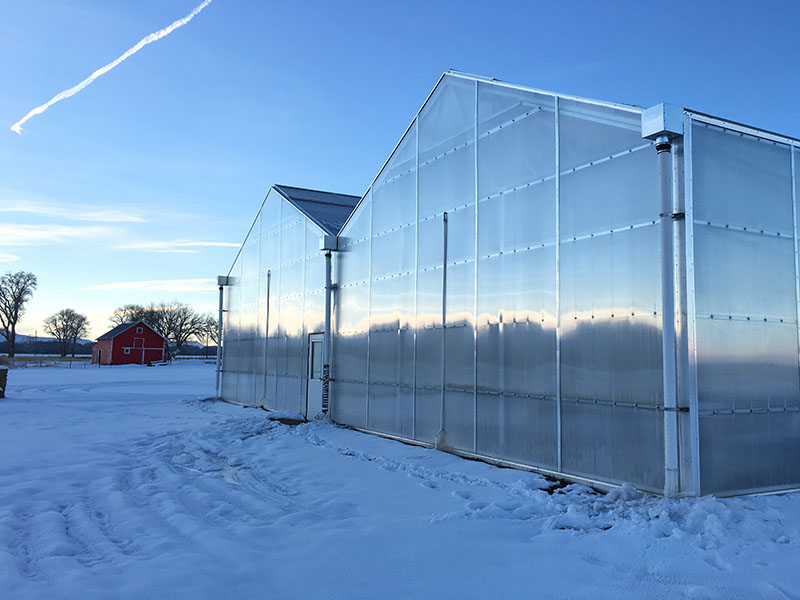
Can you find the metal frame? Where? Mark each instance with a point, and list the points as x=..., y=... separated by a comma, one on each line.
x=691, y=308
x=558, y=281
x=792, y=151
x=416, y=278
x=475, y=288
x=741, y=127
x=369, y=298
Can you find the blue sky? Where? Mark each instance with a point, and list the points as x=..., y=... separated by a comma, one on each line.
x=129, y=180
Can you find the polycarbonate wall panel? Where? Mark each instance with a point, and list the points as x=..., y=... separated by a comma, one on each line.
x=748, y=381
x=350, y=368
x=276, y=301
x=611, y=364
x=230, y=334
x=487, y=346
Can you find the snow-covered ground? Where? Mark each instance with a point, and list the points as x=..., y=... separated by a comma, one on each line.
x=124, y=483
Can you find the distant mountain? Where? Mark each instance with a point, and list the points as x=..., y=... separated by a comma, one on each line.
x=21, y=339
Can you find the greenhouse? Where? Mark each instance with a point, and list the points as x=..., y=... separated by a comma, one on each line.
x=596, y=291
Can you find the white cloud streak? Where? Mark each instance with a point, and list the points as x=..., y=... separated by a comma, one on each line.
x=16, y=234
x=17, y=127
x=162, y=285
x=8, y=258
x=75, y=213
x=176, y=246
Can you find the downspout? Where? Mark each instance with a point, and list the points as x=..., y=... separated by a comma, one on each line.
x=222, y=281
x=329, y=245
x=662, y=123
x=667, y=259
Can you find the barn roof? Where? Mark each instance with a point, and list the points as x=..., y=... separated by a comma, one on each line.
x=326, y=209
x=121, y=328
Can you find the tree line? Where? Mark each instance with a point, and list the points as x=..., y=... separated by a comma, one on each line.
x=176, y=321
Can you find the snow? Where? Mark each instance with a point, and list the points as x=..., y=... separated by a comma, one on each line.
x=125, y=483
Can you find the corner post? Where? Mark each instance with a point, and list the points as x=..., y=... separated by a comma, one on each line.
x=663, y=123
x=222, y=281
x=328, y=245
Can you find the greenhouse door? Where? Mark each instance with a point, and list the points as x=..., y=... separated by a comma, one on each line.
x=314, y=394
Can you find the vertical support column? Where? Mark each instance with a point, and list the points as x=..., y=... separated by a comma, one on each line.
x=266, y=336
x=328, y=244
x=691, y=311
x=440, y=433
x=221, y=282
x=667, y=258
x=475, y=290
x=369, y=312
x=326, y=344
x=558, y=284
x=416, y=283
x=661, y=123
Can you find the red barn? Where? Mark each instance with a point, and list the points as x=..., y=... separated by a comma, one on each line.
x=130, y=343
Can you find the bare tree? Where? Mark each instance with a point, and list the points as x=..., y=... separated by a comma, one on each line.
x=176, y=321
x=209, y=331
x=130, y=313
x=67, y=326
x=15, y=291
x=180, y=322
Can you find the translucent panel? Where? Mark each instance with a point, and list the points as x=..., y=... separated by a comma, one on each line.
x=431, y=244
x=518, y=428
x=460, y=294
x=429, y=357
x=278, y=298
x=749, y=452
x=352, y=303
x=617, y=359
x=358, y=226
x=390, y=409
x=589, y=133
x=350, y=358
x=393, y=252
x=741, y=180
x=459, y=420
x=429, y=299
x=384, y=357
x=461, y=234
x=518, y=220
x=447, y=153
x=516, y=139
x=747, y=347
x=459, y=357
x=613, y=194
x=611, y=275
x=350, y=404
x=516, y=334
x=394, y=193
x=613, y=443
x=743, y=273
x=746, y=364
x=427, y=414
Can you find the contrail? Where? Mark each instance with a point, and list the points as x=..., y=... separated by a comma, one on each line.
x=17, y=127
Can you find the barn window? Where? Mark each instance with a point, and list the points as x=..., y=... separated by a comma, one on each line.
x=127, y=350
x=139, y=330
